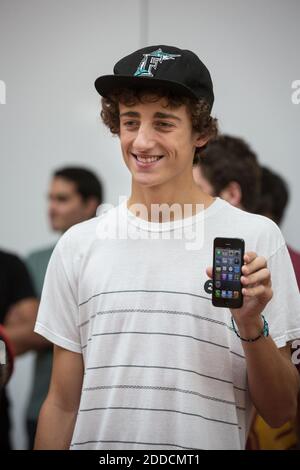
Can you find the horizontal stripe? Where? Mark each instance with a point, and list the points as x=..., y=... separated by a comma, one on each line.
x=237, y=354
x=134, y=442
x=167, y=368
x=160, y=388
x=168, y=312
x=152, y=333
x=163, y=334
x=142, y=290
x=127, y=408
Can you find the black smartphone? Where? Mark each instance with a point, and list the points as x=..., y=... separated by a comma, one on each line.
x=227, y=266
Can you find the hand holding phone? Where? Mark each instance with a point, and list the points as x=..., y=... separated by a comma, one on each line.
x=228, y=260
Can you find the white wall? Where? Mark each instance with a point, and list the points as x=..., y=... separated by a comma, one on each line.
x=51, y=51
x=252, y=51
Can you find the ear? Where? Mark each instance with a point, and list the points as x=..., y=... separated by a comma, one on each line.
x=91, y=205
x=232, y=194
x=201, y=140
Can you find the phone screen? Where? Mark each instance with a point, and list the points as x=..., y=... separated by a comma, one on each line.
x=227, y=265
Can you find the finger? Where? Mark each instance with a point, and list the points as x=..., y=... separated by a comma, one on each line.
x=209, y=272
x=256, y=264
x=262, y=276
x=264, y=292
x=249, y=256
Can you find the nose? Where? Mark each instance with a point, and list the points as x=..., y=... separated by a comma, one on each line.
x=144, y=139
x=52, y=207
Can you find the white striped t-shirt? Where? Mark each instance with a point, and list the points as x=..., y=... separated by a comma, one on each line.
x=163, y=369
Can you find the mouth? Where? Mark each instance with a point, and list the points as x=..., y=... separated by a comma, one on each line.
x=146, y=160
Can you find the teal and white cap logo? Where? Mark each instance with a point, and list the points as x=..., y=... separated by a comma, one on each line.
x=150, y=61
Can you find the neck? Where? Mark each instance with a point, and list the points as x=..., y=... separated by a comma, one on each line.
x=181, y=195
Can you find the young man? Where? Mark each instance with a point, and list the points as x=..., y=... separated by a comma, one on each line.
x=142, y=360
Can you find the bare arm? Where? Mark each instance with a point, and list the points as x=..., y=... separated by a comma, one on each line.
x=58, y=413
x=273, y=379
x=19, y=325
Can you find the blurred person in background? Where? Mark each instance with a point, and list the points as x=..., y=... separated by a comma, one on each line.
x=272, y=203
x=17, y=297
x=75, y=193
x=228, y=168
x=6, y=359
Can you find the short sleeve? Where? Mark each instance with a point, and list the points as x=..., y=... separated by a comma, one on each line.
x=58, y=311
x=283, y=311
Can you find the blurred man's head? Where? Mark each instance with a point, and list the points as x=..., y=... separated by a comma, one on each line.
x=74, y=196
x=274, y=195
x=228, y=168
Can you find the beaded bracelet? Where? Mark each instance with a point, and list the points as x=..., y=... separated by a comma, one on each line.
x=264, y=332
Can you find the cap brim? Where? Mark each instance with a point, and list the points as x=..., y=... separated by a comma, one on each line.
x=109, y=83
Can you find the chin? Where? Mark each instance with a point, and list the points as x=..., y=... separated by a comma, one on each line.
x=56, y=227
x=146, y=181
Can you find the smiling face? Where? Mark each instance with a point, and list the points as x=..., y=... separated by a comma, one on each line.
x=157, y=141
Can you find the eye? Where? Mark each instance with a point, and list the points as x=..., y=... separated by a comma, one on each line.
x=164, y=125
x=130, y=124
x=61, y=198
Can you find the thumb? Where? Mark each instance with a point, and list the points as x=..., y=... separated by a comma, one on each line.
x=209, y=272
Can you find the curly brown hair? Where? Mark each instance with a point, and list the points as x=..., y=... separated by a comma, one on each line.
x=199, y=110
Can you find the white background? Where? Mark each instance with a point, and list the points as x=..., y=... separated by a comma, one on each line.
x=51, y=51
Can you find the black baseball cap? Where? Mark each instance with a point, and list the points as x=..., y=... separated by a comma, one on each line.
x=178, y=70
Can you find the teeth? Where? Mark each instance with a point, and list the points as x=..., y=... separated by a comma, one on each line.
x=147, y=159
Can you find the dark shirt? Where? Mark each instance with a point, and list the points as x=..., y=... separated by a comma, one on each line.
x=15, y=285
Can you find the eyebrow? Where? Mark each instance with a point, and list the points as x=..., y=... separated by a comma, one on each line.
x=166, y=116
x=130, y=114
x=157, y=115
